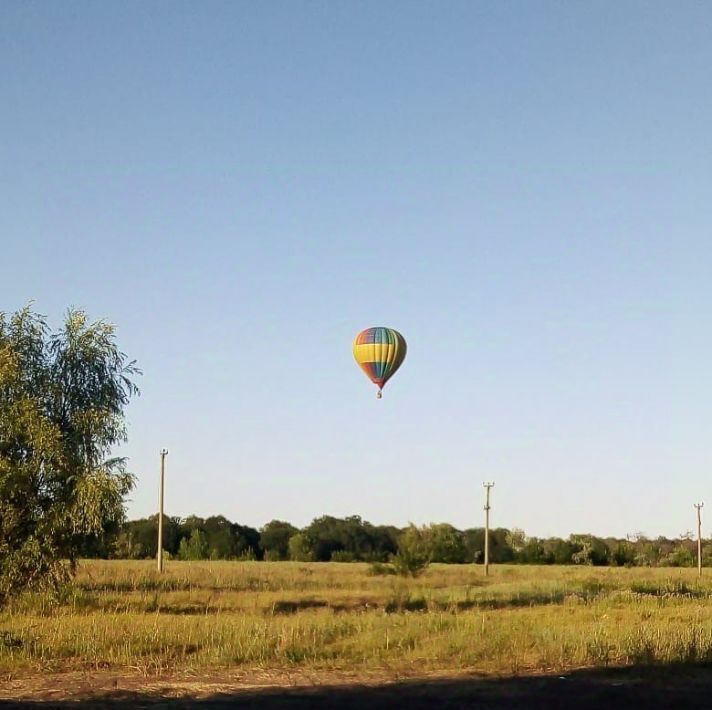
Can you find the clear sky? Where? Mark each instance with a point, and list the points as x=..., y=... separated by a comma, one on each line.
x=523, y=189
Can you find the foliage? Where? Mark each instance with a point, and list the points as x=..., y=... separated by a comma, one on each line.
x=560, y=552
x=534, y=552
x=415, y=550
x=224, y=539
x=194, y=547
x=589, y=550
x=681, y=556
x=379, y=569
x=448, y=544
x=299, y=549
x=354, y=539
x=274, y=539
x=62, y=400
x=623, y=553
x=500, y=547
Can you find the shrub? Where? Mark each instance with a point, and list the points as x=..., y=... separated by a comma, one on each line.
x=415, y=551
x=378, y=569
x=342, y=556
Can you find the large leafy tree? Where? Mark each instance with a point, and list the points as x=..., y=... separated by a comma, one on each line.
x=274, y=539
x=62, y=399
x=448, y=544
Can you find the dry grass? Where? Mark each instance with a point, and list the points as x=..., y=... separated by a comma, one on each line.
x=214, y=615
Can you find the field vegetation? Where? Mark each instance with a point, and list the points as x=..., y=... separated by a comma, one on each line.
x=360, y=617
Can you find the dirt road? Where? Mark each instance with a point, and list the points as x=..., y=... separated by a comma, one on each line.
x=640, y=688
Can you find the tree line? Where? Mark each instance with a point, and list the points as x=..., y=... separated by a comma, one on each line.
x=350, y=539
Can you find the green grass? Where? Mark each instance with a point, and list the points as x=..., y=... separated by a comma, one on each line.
x=215, y=615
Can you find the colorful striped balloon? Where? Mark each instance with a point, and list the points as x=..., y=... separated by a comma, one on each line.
x=379, y=353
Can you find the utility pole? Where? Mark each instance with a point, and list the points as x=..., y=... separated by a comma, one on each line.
x=164, y=453
x=699, y=538
x=487, y=510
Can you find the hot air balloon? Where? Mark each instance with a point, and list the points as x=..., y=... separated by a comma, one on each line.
x=379, y=353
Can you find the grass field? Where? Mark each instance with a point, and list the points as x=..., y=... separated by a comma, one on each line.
x=207, y=616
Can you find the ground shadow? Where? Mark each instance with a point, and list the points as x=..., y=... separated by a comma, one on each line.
x=644, y=688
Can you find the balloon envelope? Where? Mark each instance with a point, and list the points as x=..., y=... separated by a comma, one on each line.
x=379, y=352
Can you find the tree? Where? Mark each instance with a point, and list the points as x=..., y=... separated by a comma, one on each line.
x=194, y=547
x=324, y=536
x=415, y=550
x=517, y=540
x=681, y=556
x=448, y=544
x=622, y=553
x=222, y=541
x=474, y=541
x=299, y=549
x=707, y=554
x=274, y=539
x=385, y=543
x=62, y=401
x=590, y=550
x=357, y=538
x=139, y=538
x=560, y=551
x=247, y=542
x=534, y=552
x=500, y=549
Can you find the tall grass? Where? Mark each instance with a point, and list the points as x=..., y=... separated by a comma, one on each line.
x=200, y=615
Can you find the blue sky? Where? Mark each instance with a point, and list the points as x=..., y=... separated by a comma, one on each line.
x=522, y=189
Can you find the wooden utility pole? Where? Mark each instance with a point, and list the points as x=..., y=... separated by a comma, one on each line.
x=699, y=538
x=164, y=453
x=487, y=510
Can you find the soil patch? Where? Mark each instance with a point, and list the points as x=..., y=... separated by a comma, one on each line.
x=661, y=688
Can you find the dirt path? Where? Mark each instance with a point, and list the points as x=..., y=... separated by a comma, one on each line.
x=644, y=688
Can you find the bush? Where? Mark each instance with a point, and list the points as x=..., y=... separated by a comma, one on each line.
x=378, y=569
x=415, y=550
